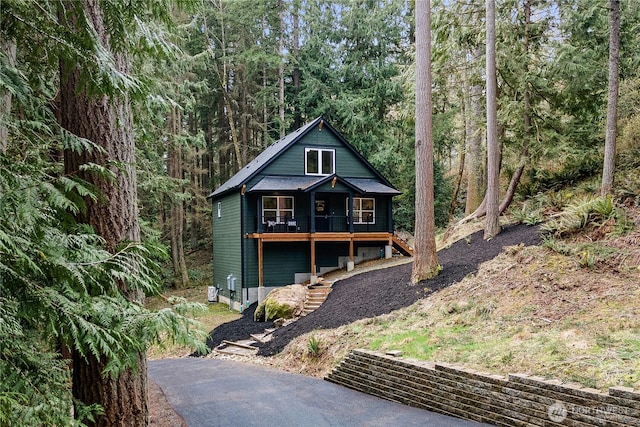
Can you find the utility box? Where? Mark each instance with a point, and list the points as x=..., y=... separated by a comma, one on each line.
x=212, y=294
x=231, y=283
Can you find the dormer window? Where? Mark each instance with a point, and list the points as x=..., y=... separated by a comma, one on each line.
x=319, y=161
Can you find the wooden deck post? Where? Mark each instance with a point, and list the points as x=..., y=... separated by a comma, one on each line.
x=260, y=263
x=312, y=221
x=313, y=256
x=351, y=249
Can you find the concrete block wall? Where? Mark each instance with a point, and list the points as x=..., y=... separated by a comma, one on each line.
x=516, y=400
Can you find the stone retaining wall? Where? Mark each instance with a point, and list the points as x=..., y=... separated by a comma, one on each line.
x=519, y=400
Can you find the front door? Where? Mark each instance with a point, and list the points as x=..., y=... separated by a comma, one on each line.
x=322, y=214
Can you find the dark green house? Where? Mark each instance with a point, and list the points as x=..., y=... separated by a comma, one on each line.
x=307, y=204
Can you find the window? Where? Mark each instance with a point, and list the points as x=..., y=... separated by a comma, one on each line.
x=319, y=161
x=219, y=209
x=277, y=209
x=364, y=210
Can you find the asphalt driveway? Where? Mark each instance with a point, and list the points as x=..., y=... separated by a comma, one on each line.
x=214, y=392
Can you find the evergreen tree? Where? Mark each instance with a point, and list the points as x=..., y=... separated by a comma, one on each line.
x=425, y=262
x=63, y=287
x=492, y=224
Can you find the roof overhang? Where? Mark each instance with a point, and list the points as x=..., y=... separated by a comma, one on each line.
x=310, y=183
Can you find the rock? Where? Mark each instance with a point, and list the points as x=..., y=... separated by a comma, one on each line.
x=283, y=303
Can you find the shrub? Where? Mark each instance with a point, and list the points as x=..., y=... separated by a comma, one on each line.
x=314, y=346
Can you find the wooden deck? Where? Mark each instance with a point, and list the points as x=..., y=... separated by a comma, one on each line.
x=312, y=238
x=323, y=237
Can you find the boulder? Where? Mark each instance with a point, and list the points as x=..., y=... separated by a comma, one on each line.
x=281, y=303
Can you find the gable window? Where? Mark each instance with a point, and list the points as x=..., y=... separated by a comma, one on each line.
x=319, y=161
x=277, y=209
x=364, y=210
x=219, y=209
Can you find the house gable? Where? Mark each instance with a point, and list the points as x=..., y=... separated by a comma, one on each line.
x=292, y=161
x=286, y=157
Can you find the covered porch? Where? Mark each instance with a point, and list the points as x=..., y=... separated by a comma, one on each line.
x=263, y=239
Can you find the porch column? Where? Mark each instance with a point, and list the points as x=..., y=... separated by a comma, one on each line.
x=351, y=256
x=312, y=226
x=350, y=208
x=390, y=214
x=350, y=263
x=261, y=290
x=260, y=263
x=259, y=210
x=313, y=258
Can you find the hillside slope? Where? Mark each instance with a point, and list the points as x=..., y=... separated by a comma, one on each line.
x=573, y=316
x=379, y=292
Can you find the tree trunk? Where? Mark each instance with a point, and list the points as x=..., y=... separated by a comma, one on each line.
x=475, y=153
x=526, y=101
x=492, y=224
x=194, y=174
x=223, y=77
x=297, y=115
x=461, y=160
x=176, y=211
x=608, y=171
x=9, y=49
x=107, y=121
x=425, y=261
x=281, y=69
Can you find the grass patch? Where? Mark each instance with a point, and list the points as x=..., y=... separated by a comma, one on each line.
x=544, y=315
x=215, y=315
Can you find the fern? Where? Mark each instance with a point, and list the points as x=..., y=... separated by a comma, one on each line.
x=60, y=286
x=588, y=211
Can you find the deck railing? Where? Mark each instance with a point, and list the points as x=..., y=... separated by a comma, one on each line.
x=323, y=223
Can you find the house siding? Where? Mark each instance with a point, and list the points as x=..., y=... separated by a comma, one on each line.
x=327, y=253
x=291, y=162
x=282, y=260
x=227, y=243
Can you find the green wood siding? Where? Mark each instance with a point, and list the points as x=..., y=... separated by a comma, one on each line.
x=327, y=253
x=251, y=263
x=282, y=260
x=291, y=162
x=227, y=242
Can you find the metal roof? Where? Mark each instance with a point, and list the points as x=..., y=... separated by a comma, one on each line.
x=263, y=159
x=285, y=183
x=371, y=186
x=307, y=183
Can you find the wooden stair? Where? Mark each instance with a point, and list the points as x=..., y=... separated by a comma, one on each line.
x=316, y=295
x=237, y=348
x=402, y=246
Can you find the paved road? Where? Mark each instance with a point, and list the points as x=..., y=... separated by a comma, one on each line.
x=213, y=392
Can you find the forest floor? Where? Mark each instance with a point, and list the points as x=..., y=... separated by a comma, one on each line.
x=499, y=305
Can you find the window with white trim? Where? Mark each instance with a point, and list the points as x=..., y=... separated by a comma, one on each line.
x=364, y=210
x=219, y=209
x=319, y=161
x=277, y=209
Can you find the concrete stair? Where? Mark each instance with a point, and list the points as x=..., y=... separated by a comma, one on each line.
x=316, y=295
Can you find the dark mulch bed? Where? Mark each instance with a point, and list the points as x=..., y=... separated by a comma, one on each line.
x=381, y=291
x=238, y=329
